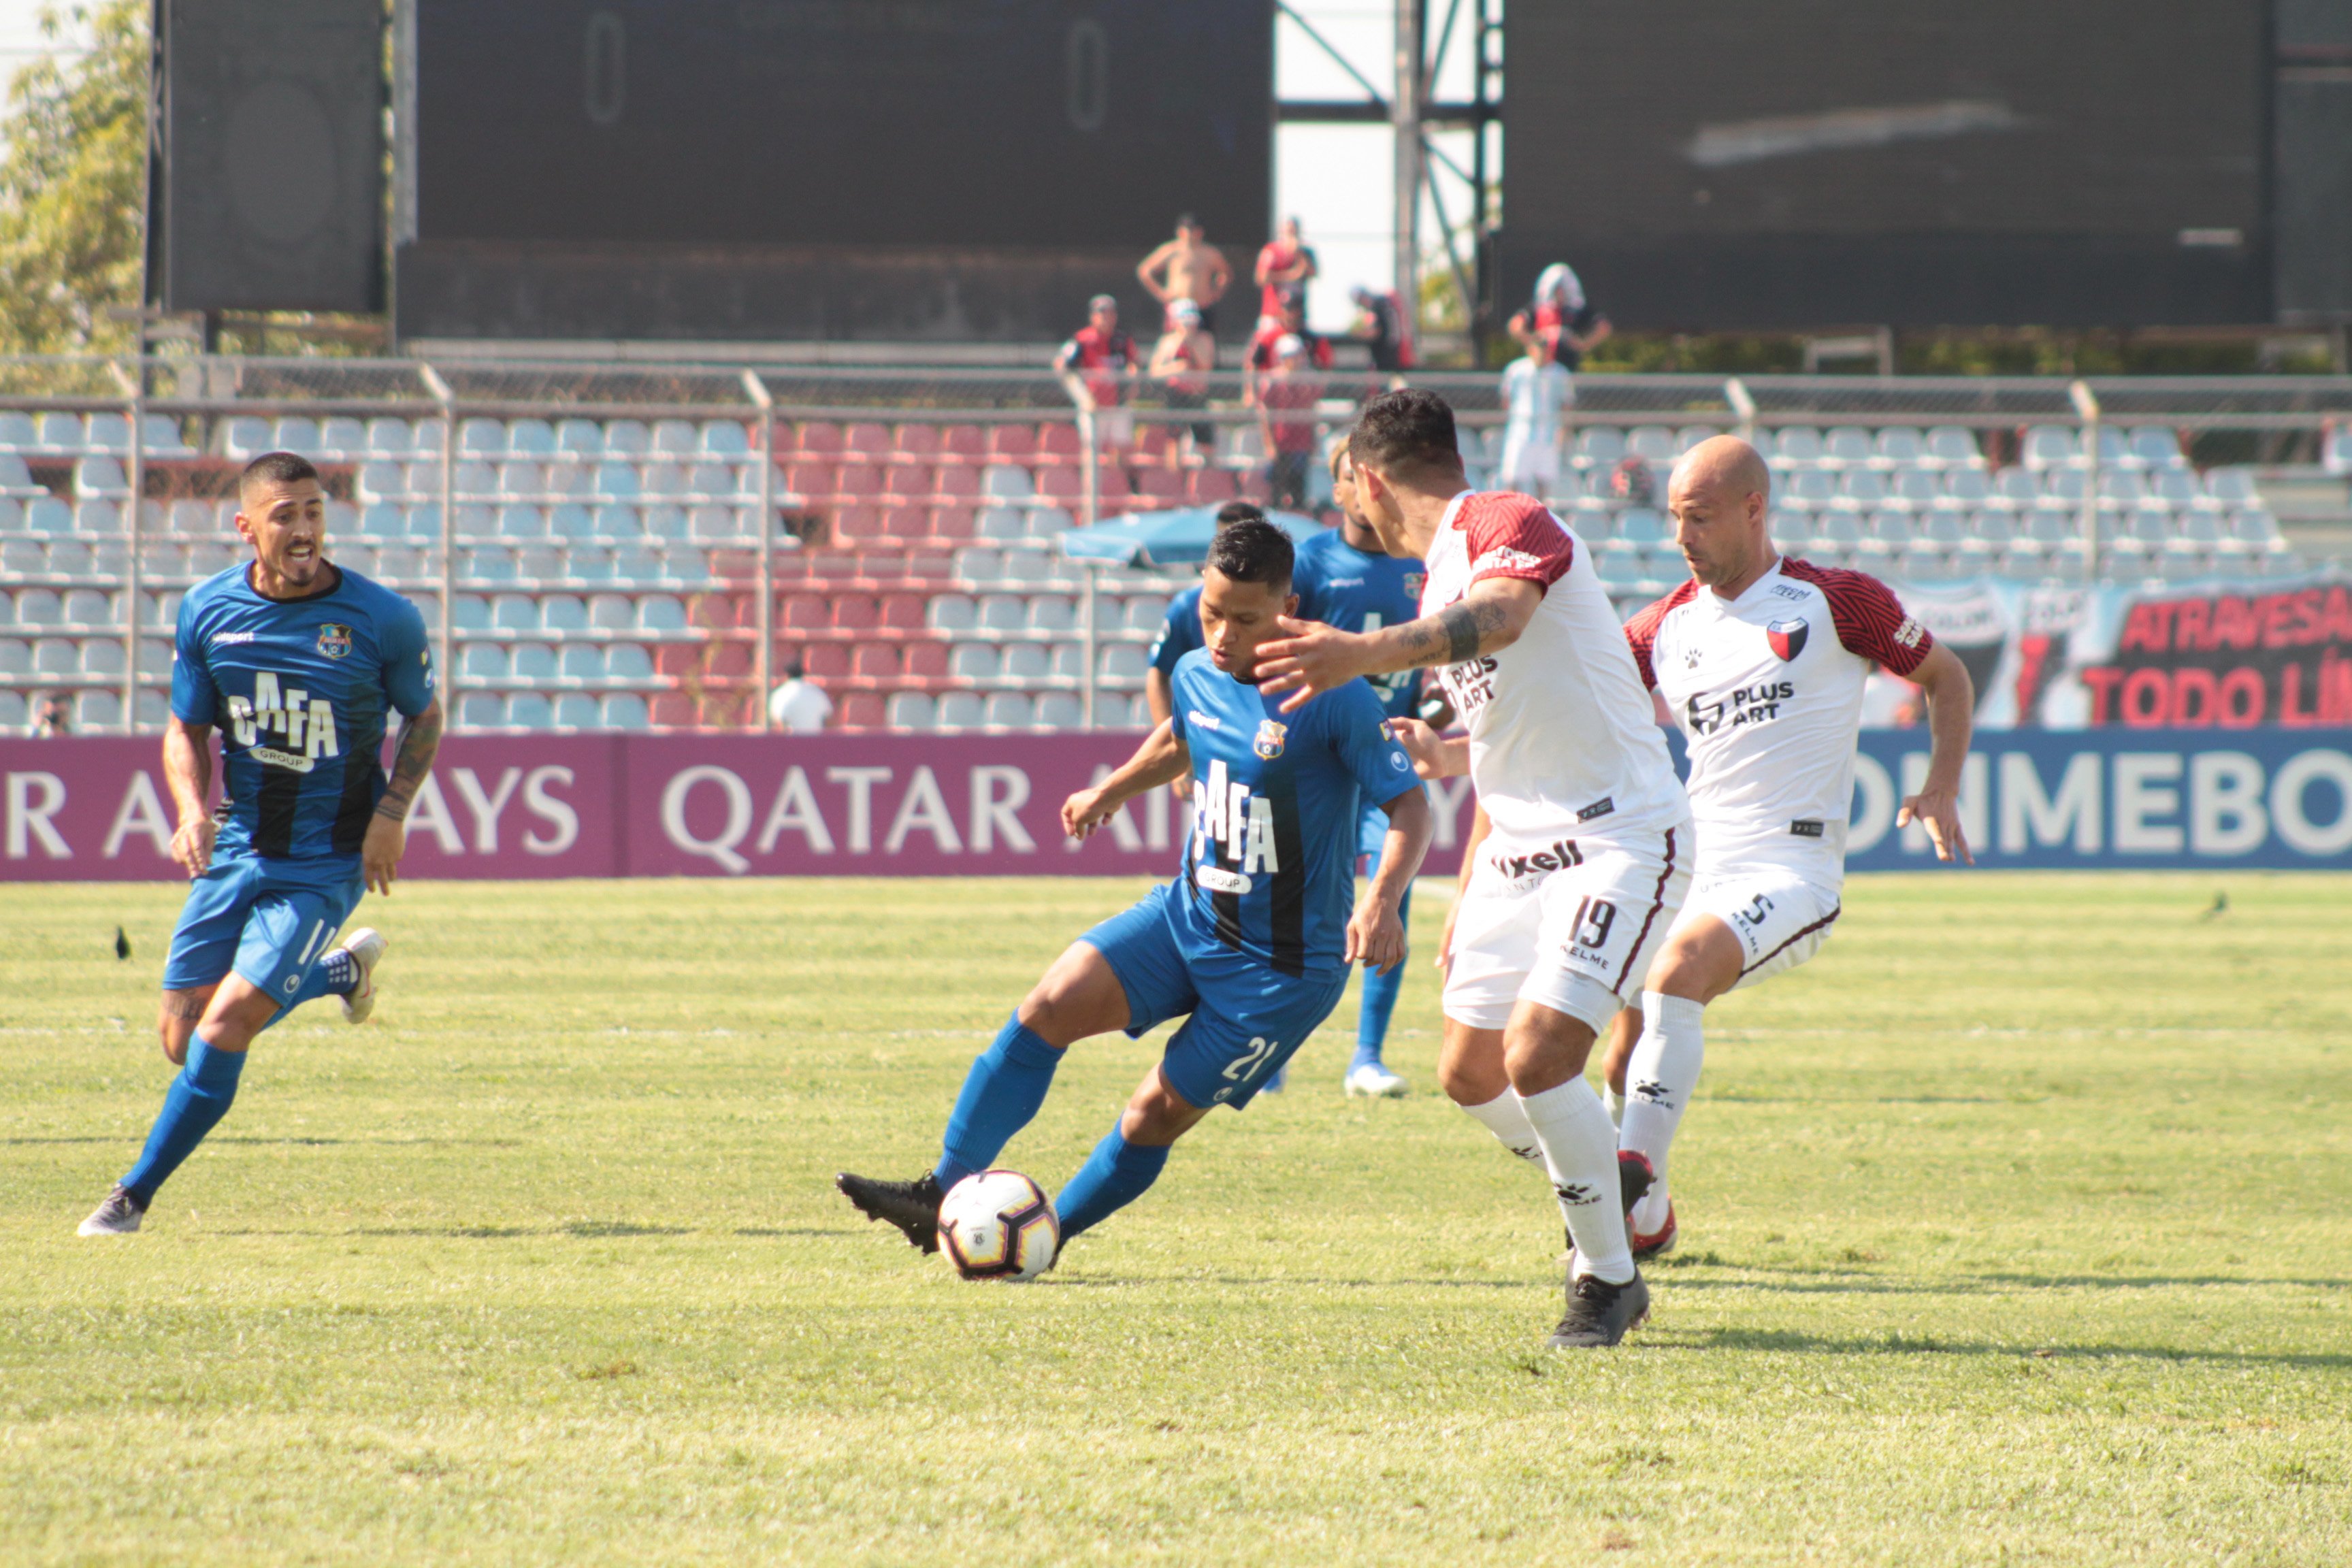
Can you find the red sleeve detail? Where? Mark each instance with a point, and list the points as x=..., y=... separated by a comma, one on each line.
x=1642, y=631
x=1871, y=621
x=1515, y=536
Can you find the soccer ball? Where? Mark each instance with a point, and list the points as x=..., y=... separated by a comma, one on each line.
x=999, y=1224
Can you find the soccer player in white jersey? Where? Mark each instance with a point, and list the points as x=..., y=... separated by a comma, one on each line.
x=1591, y=849
x=1761, y=660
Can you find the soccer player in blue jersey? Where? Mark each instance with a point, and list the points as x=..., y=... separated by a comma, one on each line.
x=1344, y=579
x=1252, y=940
x=296, y=662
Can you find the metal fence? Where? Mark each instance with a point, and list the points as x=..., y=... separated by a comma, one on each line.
x=125, y=462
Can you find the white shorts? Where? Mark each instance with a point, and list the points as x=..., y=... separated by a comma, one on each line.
x=1529, y=466
x=1781, y=917
x=1577, y=938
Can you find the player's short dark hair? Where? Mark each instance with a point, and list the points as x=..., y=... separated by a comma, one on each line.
x=1253, y=550
x=275, y=468
x=1235, y=511
x=1407, y=432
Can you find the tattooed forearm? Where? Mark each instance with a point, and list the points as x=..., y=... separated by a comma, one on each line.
x=420, y=739
x=1456, y=632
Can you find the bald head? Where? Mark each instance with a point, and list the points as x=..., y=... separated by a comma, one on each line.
x=1719, y=497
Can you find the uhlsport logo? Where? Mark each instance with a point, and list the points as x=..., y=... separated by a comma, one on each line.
x=1270, y=738
x=1787, y=638
x=334, y=641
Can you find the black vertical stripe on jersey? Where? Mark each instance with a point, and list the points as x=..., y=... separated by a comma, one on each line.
x=1227, y=906
x=361, y=774
x=1288, y=938
x=275, y=804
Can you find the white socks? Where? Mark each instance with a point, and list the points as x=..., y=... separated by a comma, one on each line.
x=1579, y=1149
x=1659, y=1081
x=1503, y=1118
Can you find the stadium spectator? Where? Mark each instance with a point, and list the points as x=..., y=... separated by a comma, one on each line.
x=1284, y=264
x=1187, y=267
x=1381, y=328
x=1569, y=325
x=1632, y=481
x=1538, y=394
x=53, y=720
x=799, y=706
x=1286, y=412
x=1186, y=350
x=1102, y=357
x=1289, y=321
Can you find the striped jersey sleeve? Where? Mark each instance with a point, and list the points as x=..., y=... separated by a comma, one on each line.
x=1642, y=631
x=1511, y=535
x=1871, y=621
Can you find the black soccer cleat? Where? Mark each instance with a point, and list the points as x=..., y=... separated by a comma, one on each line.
x=913, y=1207
x=1600, y=1313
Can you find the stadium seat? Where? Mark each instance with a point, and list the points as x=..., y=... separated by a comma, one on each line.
x=13, y=715
x=2230, y=487
x=1799, y=446
x=18, y=432
x=724, y=439
x=975, y=661
x=1013, y=443
x=626, y=710
x=866, y=443
x=581, y=662
x=15, y=657
x=1953, y=445
x=1009, y=711
x=951, y=613
x=997, y=613
x=98, y=708
x=529, y=711
x=627, y=662
x=661, y=613
x=1026, y=661
x=1059, y=444
x=1862, y=487
x=856, y=613
x=1848, y=446
x=577, y=711
x=877, y=661
x=1052, y=613
x=484, y=662
x=1915, y=488
x=1059, y=710
x=911, y=710
x=861, y=710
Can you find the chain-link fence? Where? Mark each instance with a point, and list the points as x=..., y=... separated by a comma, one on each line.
x=600, y=545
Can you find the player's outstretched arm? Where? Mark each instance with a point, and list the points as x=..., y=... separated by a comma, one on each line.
x=188, y=774
x=1952, y=719
x=387, y=834
x=1160, y=759
x=1376, y=931
x=1488, y=619
x=1433, y=756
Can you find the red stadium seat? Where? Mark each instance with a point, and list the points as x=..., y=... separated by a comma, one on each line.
x=933, y=563
x=852, y=524
x=729, y=660
x=1253, y=486
x=1212, y=487
x=672, y=709
x=866, y=443
x=926, y=660
x=1057, y=443
x=806, y=613
x=955, y=480
x=1151, y=443
x=903, y=612
x=819, y=437
x=809, y=481
x=964, y=443
x=1165, y=485
x=917, y=443
x=952, y=522
x=861, y=710
x=823, y=660
x=903, y=520
x=856, y=613
x=882, y=560
x=678, y=658
x=876, y=661
x=1013, y=443
x=1058, y=485
x=1112, y=484
x=908, y=478
x=860, y=480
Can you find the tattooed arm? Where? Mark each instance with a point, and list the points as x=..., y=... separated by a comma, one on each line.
x=420, y=739
x=1314, y=659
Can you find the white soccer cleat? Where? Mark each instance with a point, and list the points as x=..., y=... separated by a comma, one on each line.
x=1376, y=1081
x=118, y=1215
x=366, y=947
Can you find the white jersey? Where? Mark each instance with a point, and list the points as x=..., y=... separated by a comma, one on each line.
x=1563, y=740
x=1768, y=687
x=1534, y=394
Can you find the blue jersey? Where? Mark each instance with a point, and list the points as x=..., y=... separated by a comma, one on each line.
x=299, y=689
x=1343, y=586
x=1270, y=865
x=1180, y=631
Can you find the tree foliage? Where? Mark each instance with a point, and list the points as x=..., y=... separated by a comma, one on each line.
x=71, y=185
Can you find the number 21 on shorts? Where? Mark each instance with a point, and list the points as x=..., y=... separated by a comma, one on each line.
x=1248, y=1062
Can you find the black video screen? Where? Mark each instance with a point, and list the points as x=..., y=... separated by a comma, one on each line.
x=1020, y=123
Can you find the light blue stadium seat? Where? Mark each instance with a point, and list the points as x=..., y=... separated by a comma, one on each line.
x=482, y=710
x=578, y=710
x=661, y=613
x=665, y=522
x=534, y=661
x=522, y=522
x=529, y=711
x=1059, y=710
x=530, y=438
x=582, y=662
x=1026, y=661
x=484, y=662
x=389, y=438
x=17, y=432
x=1010, y=711
x=911, y=710
x=628, y=661
x=725, y=438
x=343, y=440
x=563, y=613
x=625, y=438
x=675, y=439
x=960, y=711
x=470, y=612
x=98, y=708
x=63, y=433
x=580, y=437
x=515, y=613
x=482, y=439
x=625, y=710
x=297, y=434
x=611, y=613
x=974, y=661
x=487, y=565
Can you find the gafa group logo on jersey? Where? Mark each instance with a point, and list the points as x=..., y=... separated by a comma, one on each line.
x=334, y=641
x=1270, y=738
x=1413, y=583
x=1787, y=638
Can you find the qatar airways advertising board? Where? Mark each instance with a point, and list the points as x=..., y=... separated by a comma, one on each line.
x=95, y=808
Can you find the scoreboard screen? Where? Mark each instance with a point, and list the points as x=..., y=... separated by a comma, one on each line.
x=706, y=137
x=1719, y=162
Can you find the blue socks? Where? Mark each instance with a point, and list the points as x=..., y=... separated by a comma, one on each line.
x=192, y=1107
x=1378, y=1003
x=1114, y=1176
x=1006, y=1084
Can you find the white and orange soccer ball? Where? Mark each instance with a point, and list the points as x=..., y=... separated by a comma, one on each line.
x=999, y=1224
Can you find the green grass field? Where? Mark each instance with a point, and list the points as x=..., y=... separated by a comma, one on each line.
x=2017, y=1228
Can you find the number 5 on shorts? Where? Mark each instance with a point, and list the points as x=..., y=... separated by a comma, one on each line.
x=1242, y=1065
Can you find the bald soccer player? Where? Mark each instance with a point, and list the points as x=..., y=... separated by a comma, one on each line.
x=1761, y=660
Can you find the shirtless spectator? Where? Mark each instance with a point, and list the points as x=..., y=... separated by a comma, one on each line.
x=1284, y=264
x=1187, y=267
x=1180, y=361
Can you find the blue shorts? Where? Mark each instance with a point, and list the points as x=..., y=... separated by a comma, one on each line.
x=1247, y=1020
x=269, y=920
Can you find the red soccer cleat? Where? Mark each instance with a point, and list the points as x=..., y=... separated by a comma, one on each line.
x=1660, y=1241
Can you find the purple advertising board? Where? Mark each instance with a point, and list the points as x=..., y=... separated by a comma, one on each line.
x=95, y=808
